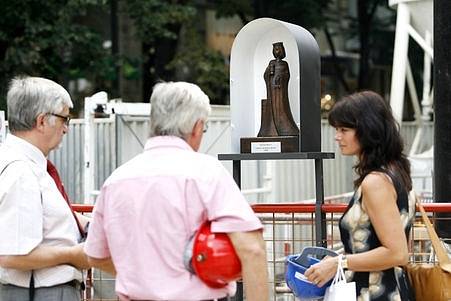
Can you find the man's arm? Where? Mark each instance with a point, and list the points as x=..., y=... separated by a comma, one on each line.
x=250, y=248
x=104, y=264
x=23, y=196
x=46, y=256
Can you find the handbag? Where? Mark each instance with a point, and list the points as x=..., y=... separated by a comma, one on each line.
x=431, y=281
x=340, y=289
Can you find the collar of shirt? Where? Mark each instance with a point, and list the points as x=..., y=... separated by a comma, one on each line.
x=32, y=152
x=166, y=141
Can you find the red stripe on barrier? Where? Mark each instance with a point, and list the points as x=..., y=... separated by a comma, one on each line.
x=299, y=208
x=332, y=208
x=82, y=208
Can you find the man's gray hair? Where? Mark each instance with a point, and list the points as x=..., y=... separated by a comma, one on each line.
x=30, y=96
x=175, y=108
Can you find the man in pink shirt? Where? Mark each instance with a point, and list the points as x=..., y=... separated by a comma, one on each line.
x=150, y=207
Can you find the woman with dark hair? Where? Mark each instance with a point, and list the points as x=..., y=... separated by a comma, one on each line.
x=375, y=227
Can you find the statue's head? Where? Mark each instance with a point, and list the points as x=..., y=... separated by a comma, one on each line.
x=278, y=50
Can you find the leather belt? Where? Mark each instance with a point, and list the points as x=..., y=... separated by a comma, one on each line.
x=222, y=299
x=74, y=283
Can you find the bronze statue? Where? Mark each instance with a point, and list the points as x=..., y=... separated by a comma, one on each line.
x=276, y=108
x=267, y=126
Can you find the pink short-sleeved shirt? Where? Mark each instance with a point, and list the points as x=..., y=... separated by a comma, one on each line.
x=150, y=207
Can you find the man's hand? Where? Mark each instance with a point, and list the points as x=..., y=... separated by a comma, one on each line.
x=77, y=257
x=46, y=256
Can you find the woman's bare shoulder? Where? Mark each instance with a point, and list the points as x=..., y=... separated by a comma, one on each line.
x=377, y=186
x=376, y=179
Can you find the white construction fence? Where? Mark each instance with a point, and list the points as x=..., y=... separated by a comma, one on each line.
x=120, y=136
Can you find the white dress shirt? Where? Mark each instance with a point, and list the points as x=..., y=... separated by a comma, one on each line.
x=32, y=212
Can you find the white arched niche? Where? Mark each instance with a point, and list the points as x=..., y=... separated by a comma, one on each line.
x=251, y=53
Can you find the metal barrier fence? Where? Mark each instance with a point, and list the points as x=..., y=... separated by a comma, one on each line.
x=288, y=228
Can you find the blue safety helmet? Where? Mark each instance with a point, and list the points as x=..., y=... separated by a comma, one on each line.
x=296, y=266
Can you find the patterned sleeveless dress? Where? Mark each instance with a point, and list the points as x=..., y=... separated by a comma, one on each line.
x=358, y=235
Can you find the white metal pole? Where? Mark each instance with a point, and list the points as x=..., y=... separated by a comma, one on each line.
x=89, y=159
x=422, y=42
x=400, y=61
x=266, y=188
x=426, y=100
x=417, y=111
x=413, y=93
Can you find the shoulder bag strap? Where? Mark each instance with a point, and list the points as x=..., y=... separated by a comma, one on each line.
x=443, y=259
x=6, y=166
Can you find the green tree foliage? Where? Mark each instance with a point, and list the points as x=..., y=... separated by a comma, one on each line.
x=306, y=13
x=158, y=24
x=197, y=63
x=375, y=33
x=244, y=9
x=157, y=19
x=174, y=47
x=43, y=38
x=372, y=27
x=47, y=38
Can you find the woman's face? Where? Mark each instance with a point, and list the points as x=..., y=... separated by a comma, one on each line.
x=347, y=141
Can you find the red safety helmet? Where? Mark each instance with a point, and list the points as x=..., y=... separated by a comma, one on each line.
x=213, y=258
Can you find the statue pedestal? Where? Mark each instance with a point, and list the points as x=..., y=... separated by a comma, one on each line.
x=280, y=144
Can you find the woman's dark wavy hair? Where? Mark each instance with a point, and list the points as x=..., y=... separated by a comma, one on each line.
x=378, y=135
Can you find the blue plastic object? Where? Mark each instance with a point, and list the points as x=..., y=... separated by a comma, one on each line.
x=296, y=266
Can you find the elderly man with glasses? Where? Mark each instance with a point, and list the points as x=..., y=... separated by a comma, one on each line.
x=40, y=254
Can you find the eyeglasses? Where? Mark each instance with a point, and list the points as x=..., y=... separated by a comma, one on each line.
x=66, y=118
x=205, y=127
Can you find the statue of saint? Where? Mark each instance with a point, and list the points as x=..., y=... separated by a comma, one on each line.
x=276, y=76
